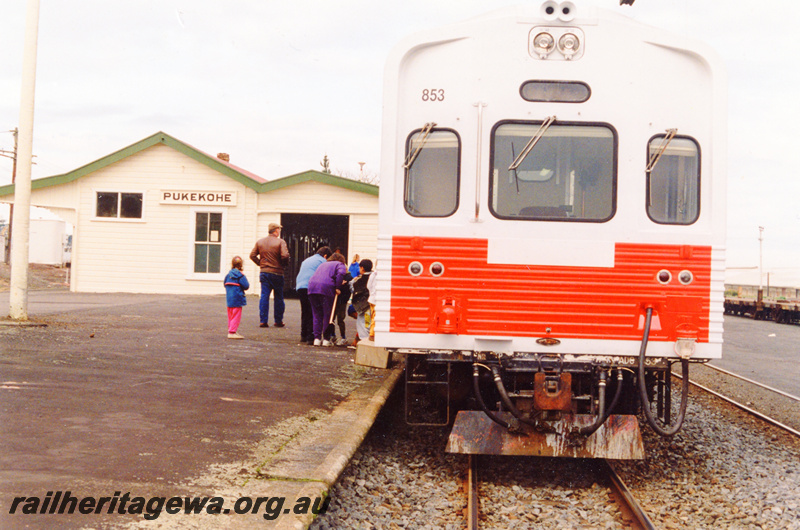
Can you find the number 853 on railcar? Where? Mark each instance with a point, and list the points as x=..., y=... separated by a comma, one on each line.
x=552, y=227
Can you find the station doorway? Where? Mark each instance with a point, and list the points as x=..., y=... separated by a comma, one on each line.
x=305, y=233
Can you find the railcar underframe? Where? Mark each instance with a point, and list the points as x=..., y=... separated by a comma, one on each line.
x=537, y=403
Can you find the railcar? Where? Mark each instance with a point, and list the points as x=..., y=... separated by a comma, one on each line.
x=551, y=228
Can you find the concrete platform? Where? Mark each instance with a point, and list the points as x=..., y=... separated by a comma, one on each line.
x=110, y=394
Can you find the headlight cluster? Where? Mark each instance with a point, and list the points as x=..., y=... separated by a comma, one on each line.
x=415, y=268
x=568, y=44
x=664, y=277
x=545, y=40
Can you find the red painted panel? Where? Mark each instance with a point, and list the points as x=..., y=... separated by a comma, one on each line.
x=525, y=300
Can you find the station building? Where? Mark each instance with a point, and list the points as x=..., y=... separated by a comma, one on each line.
x=161, y=216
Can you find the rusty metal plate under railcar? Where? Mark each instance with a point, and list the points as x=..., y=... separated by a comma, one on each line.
x=619, y=438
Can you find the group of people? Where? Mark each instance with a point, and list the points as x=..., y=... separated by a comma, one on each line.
x=324, y=284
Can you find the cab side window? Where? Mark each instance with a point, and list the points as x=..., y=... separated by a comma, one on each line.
x=673, y=184
x=432, y=173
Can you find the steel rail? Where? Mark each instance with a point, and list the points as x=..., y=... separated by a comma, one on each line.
x=762, y=385
x=472, y=493
x=628, y=504
x=760, y=415
x=625, y=497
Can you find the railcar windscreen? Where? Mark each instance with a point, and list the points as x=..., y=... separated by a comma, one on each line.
x=431, y=186
x=569, y=175
x=673, y=186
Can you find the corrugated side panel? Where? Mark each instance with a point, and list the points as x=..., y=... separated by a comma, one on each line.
x=527, y=300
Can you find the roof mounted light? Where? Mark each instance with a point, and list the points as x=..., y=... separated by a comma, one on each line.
x=549, y=10
x=566, y=11
x=569, y=44
x=543, y=44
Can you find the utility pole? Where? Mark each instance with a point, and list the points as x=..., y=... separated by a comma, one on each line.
x=18, y=295
x=760, y=263
x=13, y=156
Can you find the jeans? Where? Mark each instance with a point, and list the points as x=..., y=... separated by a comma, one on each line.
x=271, y=283
x=306, y=318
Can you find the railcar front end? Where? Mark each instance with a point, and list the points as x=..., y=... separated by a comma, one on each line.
x=551, y=235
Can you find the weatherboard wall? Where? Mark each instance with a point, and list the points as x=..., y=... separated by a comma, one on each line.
x=318, y=198
x=155, y=253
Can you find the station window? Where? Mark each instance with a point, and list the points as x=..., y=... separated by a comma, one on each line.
x=432, y=173
x=673, y=184
x=207, y=242
x=116, y=205
x=553, y=171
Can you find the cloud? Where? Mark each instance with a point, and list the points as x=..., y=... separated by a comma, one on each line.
x=280, y=84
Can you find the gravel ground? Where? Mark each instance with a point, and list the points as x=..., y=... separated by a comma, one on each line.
x=774, y=405
x=39, y=276
x=725, y=469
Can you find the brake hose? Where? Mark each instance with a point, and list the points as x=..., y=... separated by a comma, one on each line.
x=476, y=388
x=498, y=381
x=601, y=419
x=643, y=387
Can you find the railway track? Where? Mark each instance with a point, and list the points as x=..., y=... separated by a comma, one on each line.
x=745, y=407
x=632, y=512
x=703, y=480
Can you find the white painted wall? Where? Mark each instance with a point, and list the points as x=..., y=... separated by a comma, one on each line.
x=47, y=240
x=154, y=254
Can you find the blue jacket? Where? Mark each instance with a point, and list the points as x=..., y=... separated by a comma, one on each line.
x=307, y=269
x=235, y=285
x=354, y=269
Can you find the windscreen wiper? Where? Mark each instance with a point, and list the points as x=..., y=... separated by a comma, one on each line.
x=516, y=177
x=412, y=156
x=660, y=151
x=531, y=143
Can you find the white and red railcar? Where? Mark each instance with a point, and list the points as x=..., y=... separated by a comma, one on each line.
x=552, y=196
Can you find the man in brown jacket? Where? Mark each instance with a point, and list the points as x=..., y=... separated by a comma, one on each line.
x=271, y=254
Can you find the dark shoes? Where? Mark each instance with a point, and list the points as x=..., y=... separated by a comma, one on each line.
x=279, y=325
x=263, y=325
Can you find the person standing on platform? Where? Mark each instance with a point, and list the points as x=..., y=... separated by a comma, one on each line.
x=322, y=289
x=361, y=297
x=307, y=269
x=271, y=255
x=340, y=311
x=373, y=296
x=355, y=268
x=235, y=285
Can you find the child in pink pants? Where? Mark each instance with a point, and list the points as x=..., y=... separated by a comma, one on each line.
x=235, y=285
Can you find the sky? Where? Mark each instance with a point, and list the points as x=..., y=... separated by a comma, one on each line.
x=280, y=85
